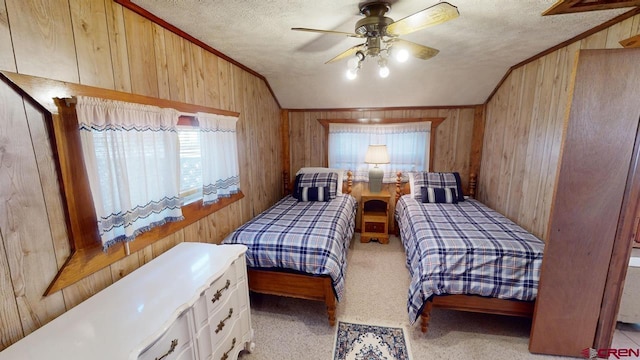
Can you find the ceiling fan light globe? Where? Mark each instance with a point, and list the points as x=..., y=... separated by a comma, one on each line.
x=352, y=74
x=353, y=63
x=383, y=72
x=401, y=55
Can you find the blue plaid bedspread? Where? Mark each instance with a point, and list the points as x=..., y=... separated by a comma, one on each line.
x=466, y=248
x=311, y=237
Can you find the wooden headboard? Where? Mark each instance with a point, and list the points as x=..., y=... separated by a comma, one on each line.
x=287, y=187
x=405, y=188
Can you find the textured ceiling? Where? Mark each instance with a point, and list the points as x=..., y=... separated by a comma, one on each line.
x=476, y=49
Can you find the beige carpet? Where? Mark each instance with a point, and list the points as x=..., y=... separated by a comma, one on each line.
x=376, y=293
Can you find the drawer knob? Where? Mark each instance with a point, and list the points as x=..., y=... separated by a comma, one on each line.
x=174, y=344
x=221, y=323
x=226, y=355
x=218, y=293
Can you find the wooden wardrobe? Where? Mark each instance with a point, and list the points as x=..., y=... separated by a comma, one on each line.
x=595, y=207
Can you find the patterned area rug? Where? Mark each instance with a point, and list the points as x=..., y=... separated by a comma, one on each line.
x=370, y=342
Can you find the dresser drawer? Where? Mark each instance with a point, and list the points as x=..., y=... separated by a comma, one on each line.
x=374, y=227
x=230, y=346
x=175, y=343
x=220, y=289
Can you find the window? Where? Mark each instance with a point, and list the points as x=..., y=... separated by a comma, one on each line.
x=408, y=145
x=89, y=256
x=190, y=160
x=131, y=155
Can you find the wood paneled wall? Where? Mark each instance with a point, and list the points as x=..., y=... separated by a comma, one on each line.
x=100, y=43
x=523, y=131
x=453, y=140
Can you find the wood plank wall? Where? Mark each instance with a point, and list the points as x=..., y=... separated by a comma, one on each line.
x=100, y=43
x=523, y=131
x=452, y=151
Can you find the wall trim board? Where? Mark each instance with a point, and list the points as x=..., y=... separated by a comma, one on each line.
x=578, y=37
x=149, y=16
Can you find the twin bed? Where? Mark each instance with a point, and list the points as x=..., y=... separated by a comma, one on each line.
x=463, y=255
x=460, y=254
x=298, y=247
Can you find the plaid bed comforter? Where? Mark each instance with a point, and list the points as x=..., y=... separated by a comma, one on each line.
x=310, y=237
x=466, y=248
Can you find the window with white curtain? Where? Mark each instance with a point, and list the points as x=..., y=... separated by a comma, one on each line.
x=142, y=166
x=132, y=160
x=407, y=144
x=190, y=160
x=219, y=154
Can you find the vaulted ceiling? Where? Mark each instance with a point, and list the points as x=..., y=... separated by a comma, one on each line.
x=476, y=49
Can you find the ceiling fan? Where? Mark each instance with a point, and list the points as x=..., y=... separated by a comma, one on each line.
x=382, y=34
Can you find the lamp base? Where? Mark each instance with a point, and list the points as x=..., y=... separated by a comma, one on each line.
x=375, y=179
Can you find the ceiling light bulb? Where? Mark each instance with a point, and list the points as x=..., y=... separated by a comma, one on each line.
x=353, y=63
x=384, y=71
x=352, y=74
x=401, y=55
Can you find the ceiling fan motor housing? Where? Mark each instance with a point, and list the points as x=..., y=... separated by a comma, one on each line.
x=373, y=26
x=374, y=23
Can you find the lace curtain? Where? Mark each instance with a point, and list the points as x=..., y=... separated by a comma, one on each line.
x=132, y=159
x=407, y=145
x=219, y=151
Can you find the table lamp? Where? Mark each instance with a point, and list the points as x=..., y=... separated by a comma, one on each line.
x=376, y=154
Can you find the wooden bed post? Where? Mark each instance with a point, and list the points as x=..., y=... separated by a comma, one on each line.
x=473, y=181
x=425, y=316
x=285, y=183
x=396, y=229
x=398, y=185
x=330, y=301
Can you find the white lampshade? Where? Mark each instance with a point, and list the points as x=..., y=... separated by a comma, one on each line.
x=377, y=154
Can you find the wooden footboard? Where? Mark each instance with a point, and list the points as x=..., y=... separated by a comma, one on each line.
x=475, y=303
x=300, y=286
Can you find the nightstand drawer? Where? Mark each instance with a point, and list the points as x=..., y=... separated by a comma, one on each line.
x=374, y=227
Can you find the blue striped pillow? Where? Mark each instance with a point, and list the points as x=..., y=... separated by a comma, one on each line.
x=314, y=194
x=447, y=195
x=316, y=180
x=437, y=180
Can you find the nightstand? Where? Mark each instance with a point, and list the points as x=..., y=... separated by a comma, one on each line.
x=374, y=208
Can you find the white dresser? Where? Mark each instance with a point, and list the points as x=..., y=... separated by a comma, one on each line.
x=192, y=302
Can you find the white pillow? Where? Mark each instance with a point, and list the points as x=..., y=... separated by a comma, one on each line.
x=307, y=170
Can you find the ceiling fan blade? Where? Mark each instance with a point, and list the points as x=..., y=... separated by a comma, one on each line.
x=328, y=32
x=433, y=15
x=417, y=50
x=349, y=52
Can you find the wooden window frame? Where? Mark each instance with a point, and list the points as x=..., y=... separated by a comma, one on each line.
x=87, y=256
